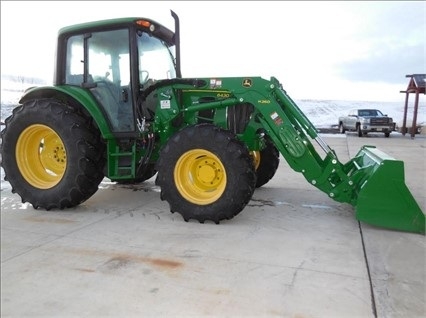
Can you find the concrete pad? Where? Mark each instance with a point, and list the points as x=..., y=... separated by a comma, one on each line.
x=397, y=261
x=398, y=269
x=292, y=252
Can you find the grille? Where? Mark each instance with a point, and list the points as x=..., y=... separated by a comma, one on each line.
x=380, y=121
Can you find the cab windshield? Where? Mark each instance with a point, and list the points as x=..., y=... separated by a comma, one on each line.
x=156, y=59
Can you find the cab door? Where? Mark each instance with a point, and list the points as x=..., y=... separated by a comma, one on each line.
x=107, y=65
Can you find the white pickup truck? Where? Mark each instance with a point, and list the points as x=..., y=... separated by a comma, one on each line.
x=364, y=121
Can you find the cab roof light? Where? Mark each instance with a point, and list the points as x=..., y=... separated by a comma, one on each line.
x=146, y=24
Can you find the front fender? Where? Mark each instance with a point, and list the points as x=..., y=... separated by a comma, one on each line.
x=72, y=93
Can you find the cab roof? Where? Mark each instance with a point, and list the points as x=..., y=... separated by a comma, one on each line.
x=107, y=24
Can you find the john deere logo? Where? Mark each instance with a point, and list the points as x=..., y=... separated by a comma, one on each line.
x=247, y=82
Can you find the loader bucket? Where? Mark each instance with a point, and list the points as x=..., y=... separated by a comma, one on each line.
x=383, y=197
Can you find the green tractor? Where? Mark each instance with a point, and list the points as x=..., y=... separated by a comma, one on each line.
x=120, y=108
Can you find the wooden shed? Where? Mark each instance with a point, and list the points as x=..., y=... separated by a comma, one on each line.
x=416, y=85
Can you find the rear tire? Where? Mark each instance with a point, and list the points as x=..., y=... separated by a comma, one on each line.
x=205, y=173
x=53, y=156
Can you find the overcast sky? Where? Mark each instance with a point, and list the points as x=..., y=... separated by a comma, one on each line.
x=318, y=50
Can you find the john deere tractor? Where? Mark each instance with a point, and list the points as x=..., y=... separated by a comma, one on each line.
x=120, y=108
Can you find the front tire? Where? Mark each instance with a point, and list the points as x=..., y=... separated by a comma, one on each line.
x=52, y=155
x=205, y=173
x=342, y=129
x=268, y=161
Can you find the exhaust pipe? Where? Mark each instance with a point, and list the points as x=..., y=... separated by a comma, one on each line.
x=177, y=44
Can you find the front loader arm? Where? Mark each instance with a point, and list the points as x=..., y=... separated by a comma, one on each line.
x=372, y=181
x=292, y=132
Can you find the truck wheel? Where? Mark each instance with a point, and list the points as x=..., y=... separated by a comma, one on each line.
x=205, y=173
x=266, y=163
x=387, y=134
x=360, y=134
x=52, y=155
x=342, y=129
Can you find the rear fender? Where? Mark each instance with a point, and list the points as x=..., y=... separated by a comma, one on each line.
x=72, y=94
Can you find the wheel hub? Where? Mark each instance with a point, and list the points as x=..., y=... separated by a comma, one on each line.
x=207, y=172
x=41, y=156
x=200, y=176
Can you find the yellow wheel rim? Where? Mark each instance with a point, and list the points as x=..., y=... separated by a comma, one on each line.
x=41, y=156
x=200, y=176
x=256, y=158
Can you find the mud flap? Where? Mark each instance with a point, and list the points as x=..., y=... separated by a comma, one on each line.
x=383, y=199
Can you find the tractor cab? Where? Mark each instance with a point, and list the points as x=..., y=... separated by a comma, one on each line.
x=117, y=60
